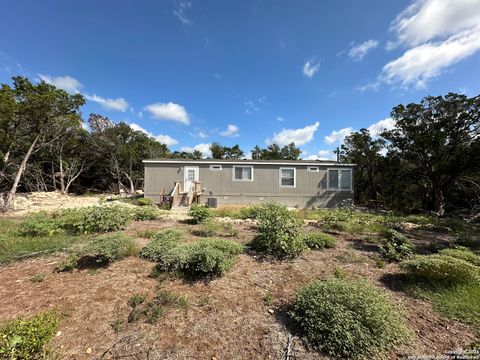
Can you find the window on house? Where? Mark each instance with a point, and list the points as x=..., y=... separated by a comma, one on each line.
x=216, y=167
x=313, y=169
x=339, y=180
x=243, y=173
x=287, y=177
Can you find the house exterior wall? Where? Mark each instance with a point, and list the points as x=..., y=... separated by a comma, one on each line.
x=310, y=188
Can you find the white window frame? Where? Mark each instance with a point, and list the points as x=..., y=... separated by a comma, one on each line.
x=313, y=169
x=350, y=189
x=294, y=177
x=242, y=166
x=216, y=167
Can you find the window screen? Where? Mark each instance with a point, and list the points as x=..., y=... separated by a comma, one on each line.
x=333, y=179
x=345, y=179
x=243, y=173
x=287, y=177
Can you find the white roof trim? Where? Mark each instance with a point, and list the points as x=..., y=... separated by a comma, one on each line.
x=245, y=162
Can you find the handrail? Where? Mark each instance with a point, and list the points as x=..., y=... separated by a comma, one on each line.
x=174, y=193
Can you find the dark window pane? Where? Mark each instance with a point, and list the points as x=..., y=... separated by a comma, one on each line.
x=333, y=179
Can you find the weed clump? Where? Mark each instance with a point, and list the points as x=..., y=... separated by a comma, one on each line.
x=109, y=248
x=143, y=213
x=349, y=319
x=211, y=227
x=319, y=240
x=27, y=338
x=143, y=201
x=277, y=231
x=199, y=213
x=160, y=244
x=396, y=246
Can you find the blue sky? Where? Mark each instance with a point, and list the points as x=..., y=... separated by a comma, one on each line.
x=250, y=72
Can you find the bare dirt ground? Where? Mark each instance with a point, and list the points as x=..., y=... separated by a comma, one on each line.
x=227, y=317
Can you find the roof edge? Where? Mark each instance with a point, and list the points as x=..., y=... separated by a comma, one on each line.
x=249, y=162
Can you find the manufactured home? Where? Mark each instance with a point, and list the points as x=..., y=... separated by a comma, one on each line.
x=295, y=183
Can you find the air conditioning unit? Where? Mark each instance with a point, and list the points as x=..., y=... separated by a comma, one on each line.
x=212, y=202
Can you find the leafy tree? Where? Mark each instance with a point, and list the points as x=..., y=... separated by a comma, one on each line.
x=217, y=150
x=224, y=152
x=359, y=148
x=437, y=137
x=274, y=152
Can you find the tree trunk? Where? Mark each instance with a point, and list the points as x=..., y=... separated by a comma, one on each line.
x=62, y=177
x=439, y=199
x=21, y=169
x=132, y=187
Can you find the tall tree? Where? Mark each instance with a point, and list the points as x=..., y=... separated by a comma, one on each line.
x=437, y=137
x=274, y=152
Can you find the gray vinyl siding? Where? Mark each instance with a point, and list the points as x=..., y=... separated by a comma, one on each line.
x=310, y=187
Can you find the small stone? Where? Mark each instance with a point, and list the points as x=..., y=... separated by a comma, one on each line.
x=58, y=333
x=270, y=311
x=88, y=351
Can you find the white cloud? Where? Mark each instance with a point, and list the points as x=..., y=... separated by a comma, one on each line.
x=337, y=136
x=374, y=86
x=439, y=34
x=164, y=139
x=202, y=135
x=380, y=126
x=311, y=67
x=280, y=119
x=168, y=111
x=67, y=83
x=322, y=155
x=422, y=63
x=203, y=148
x=358, y=51
x=118, y=104
x=252, y=106
x=181, y=12
x=231, y=131
x=425, y=20
x=298, y=136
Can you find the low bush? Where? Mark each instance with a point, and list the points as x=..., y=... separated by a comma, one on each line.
x=161, y=243
x=199, y=213
x=349, y=319
x=277, y=231
x=144, y=213
x=441, y=269
x=319, y=240
x=109, y=248
x=396, y=246
x=236, y=212
x=94, y=219
x=27, y=338
x=463, y=253
x=68, y=264
x=203, y=257
x=144, y=201
x=211, y=227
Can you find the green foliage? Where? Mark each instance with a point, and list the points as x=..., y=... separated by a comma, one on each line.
x=68, y=264
x=277, y=231
x=396, y=246
x=136, y=300
x=39, y=225
x=151, y=310
x=144, y=213
x=211, y=227
x=349, y=319
x=199, y=213
x=274, y=152
x=161, y=243
x=38, y=278
x=146, y=233
x=441, y=269
x=144, y=201
x=319, y=240
x=27, y=338
x=236, y=212
x=463, y=253
x=109, y=248
x=203, y=257
x=268, y=299
x=14, y=246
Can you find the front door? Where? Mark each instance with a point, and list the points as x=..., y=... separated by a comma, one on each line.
x=190, y=174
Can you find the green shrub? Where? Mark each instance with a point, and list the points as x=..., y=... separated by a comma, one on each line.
x=161, y=243
x=277, y=231
x=319, y=240
x=250, y=212
x=109, y=248
x=463, y=253
x=39, y=225
x=144, y=201
x=396, y=246
x=94, y=219
x=146, y=233
x=442, y=269
x=27, y=338
x=210, y=256
x=199, y=213
x=348, y=319
x=68, y=264
x=211, y=227
x=144, y=213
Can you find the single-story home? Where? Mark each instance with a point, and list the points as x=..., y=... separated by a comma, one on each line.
x=295, y=183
